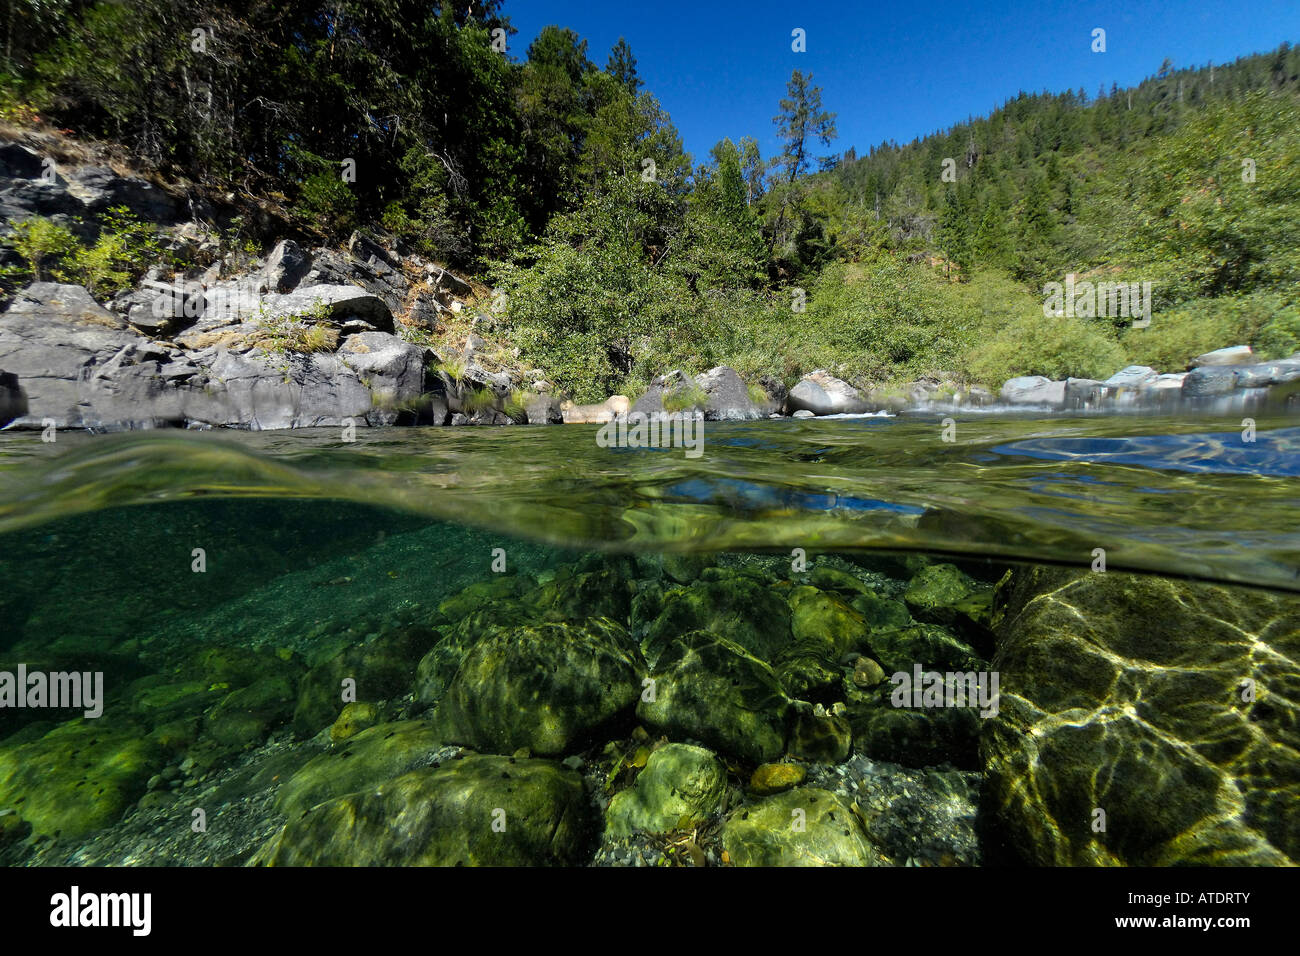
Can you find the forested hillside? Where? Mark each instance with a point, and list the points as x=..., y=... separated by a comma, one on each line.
x=556, y=177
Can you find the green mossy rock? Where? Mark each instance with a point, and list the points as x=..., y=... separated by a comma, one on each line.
x=158, y=701
x=771, y=778
x=711, y=689
x=825, y=629
x=825, y=622
x=79, y=777
x=917, y=737
x=681, y=787
x=933, y=647
x=477, y=811
x=545, y=687
x=356, y=717
x=767, y=833
x=735, y=607
x=243, y=718
x=579, y=597
x=233, y=666
x=944, y=594
x=882, y=612
x=824, y=739
x=482, y=594
x=1125, y=693
x=833, y=579
x=366, y=760
x=383, y=668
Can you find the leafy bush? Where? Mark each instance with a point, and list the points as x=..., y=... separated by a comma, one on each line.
x=1267, y=321
x=123, y=250
x=1059, y=347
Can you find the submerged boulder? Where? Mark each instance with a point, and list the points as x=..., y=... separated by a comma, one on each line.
x=364, y=760
x=711, y=689
x=1161, y=704
x=78, y=777
x=806, y=826
x=475, y=811
x=681, y=787
x=543, y=686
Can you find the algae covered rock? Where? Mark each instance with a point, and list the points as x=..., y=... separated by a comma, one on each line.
x=366, y=760
x=680, y=787
x=711, y=689
x=544, y=687
x=380, y=669
x=734, y=606
x=476, y=811
x=806, y=826
x=1146, y=722
x=944, y=594
x=825, y=630
x=78, y=777
x=356, y=717
x=821, y=737
x=243, y=718
x=772, y=778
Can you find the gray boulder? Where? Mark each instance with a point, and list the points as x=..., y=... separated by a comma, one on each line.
x=1135, y=376
x=285, y=266
x=1234, y=355
x=1210, y=380
x=727, y=397
x=542, y=408
x=822, y=393
x=1033, y=390
x=100, y=189
x=57, y=302
x=675, y=386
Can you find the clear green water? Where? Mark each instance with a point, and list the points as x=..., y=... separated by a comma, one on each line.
x=385, y=549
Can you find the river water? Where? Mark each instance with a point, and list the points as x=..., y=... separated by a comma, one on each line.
x=639, y=637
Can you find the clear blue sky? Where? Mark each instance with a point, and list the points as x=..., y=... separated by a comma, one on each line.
x=900, y=69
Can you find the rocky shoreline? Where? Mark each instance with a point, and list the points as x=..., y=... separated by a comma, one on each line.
x=327, y=337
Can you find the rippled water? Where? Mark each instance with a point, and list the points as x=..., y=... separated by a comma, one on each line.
x=311, y=546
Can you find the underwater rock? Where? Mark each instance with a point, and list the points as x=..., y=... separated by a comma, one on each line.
x=867, y=673
x=711, y=689
x=931, y=646
x=243, y=718
x=681, y=787
x=483, y=594
x=735, y=607
x=825, y=629
x=772, y=778
x=543, y=686
x=833, y=579
x=917, y=738
x=476, y=811
x=825, y=738
x=382, y=668
x=366, y=760
x=579, y=597
x=356, y=717
x=1164, y=705
x=943, y=594
x=801, y=827
x=79, y=777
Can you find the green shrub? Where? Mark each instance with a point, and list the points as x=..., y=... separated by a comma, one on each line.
x=1269, y=322
x=1057, y=347
x=44, y=244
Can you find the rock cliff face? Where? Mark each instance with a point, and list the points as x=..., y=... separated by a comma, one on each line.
x=303, y=337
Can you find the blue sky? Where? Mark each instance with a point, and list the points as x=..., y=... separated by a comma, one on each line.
x=900, y=69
